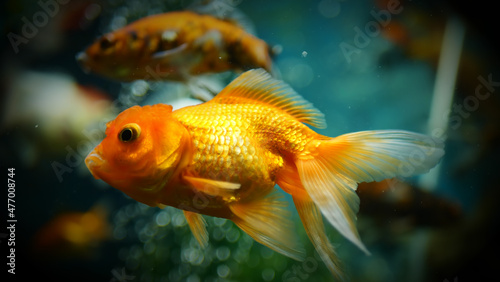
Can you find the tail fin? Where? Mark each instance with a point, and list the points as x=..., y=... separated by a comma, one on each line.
x=332, y=168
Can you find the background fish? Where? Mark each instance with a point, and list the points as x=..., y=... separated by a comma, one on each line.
x=224, y=157
x=174, y=46
x=73, y=234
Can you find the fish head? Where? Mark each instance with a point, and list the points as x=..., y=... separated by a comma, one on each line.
x=114, y=55
x=143, y=151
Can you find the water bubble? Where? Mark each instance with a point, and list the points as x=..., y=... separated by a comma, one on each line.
x=143, y=237
x=184, y=269
x=329, y=8
x=130, y=211
x=304, y=54
x=162, y=218
x=268, y=274
x=301, y=75
x=92, y=11
x=121, y=217
x=227, y=226
x=139, y=224
x=198, y=259
x=218, y=234
x=222, y=253
x=246, y=242
x=193, y=278
x=193, y=256
x=142, y=208
x=149, y=247
x=139, y=88
x=219, y=221
x=266, y=252
x=179, y=220
x=223, y=270
x=119, y=233
x=277, y=49
x=240, y=256
x=149, y=230
x=118, y=22
x=233, y=235
x=135, y=251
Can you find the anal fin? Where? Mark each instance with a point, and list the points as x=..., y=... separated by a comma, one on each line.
x=168, y=53
x=266, y=220
x=313, y=224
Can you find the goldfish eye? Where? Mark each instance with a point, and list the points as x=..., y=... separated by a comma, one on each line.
x=130, y=132
x=133, y=35
x=106, y=42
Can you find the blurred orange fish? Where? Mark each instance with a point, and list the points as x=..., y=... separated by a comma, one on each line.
x=74, y=234
x=223, y=158
x=174, y=46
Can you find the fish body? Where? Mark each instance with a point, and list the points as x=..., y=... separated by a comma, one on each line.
x=174, y=46
x=223, y=158
x=74, y=234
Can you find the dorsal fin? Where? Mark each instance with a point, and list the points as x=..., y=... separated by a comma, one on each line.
x=257, y=85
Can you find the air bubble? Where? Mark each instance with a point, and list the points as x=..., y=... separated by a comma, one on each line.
x=223, y=270
x=222, y=253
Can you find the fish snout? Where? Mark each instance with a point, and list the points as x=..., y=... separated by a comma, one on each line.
x=95, y=163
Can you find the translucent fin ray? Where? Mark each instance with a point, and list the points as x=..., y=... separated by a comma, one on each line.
x=267, y=221
x=212, y=187
x=332, y=169
x=198, y=227
x=258, y=86
x=313, y=223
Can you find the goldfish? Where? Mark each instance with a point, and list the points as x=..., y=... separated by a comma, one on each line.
x=222, y=158
x=74, y=234
x=174, y=46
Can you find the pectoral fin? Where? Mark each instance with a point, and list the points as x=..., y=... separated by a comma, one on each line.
x=197, y=224
x=212, y=187
x=170, y=52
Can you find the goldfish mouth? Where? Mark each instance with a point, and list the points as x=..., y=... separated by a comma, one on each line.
x=94, y=163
